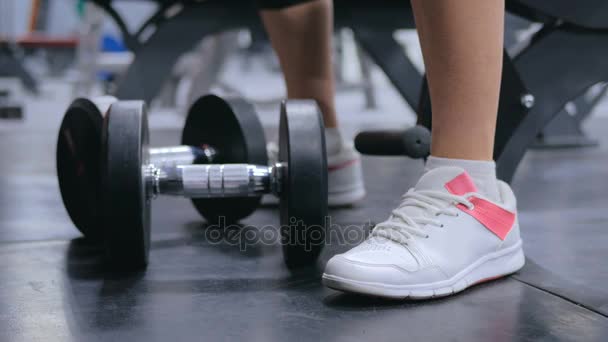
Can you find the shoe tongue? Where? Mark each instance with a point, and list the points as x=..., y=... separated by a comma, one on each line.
x=449, y=178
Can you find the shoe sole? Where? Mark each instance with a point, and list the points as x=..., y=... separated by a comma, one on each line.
x=489, y=267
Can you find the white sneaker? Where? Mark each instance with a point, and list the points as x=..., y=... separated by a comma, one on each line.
x=443, y=238
x=344, y=174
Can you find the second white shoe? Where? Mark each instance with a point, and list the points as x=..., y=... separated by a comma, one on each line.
x=344, y=174
x=443, y=238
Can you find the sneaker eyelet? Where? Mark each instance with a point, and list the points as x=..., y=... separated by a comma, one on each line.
x=427, y=237
x=441, y=225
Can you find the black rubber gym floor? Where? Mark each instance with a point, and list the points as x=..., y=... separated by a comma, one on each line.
x=206, y=284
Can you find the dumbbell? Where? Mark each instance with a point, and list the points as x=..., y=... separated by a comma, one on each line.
x=216, y=130
x=130, y=180
x=414, y=142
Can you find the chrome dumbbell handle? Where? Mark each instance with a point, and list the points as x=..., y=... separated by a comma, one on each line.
x=215, y=180
x=181, y=155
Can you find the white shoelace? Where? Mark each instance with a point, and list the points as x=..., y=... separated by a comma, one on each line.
x=400, y=227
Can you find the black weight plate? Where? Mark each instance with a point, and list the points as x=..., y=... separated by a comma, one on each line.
x=303, y=182
x=232, y=127
x=77, y=155
x=126, y=204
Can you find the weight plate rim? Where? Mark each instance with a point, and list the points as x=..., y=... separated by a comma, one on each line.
x=291, y=204
x=80, y=107
x=124, y=182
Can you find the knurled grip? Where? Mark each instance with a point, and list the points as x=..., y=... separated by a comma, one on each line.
x=223, y=180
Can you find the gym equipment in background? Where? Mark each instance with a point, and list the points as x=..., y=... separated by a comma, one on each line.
x=10, y=92
x=415, y=142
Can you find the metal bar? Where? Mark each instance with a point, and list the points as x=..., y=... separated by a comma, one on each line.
x=11, y=65
x=191, y=26
x=564, y=131
x=155, y=19
x=591, y=15
x=365, y=66
x=130, y=40
x=537, y=66
x=212, y=181
x=587, y=103
x=181, y=155
x=389, y=55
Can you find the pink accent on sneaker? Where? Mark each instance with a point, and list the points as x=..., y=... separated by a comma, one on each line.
x=342, y=165
x=461, y=185
x=496, y=219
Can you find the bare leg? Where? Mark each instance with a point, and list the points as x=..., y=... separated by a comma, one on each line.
x=301, y=35
x=462, y=48
x=302, y=38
